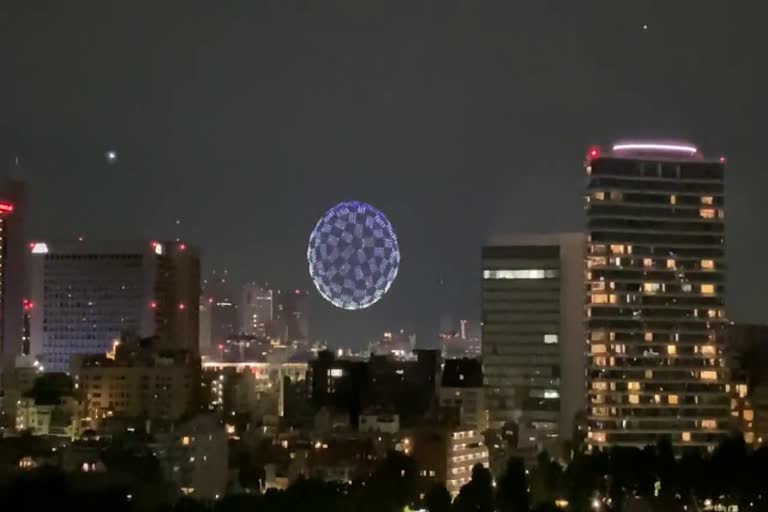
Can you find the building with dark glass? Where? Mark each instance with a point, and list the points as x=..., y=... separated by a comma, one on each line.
x=533, y=335
x=655, y=284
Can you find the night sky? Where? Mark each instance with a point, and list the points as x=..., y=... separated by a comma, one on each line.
x=246, y=120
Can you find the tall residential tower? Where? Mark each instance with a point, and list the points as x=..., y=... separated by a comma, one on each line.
x=655, y=287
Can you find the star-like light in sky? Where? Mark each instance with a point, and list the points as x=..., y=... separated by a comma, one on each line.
x=111, y=156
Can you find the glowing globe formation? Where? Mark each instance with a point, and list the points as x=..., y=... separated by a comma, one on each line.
x=353, y=255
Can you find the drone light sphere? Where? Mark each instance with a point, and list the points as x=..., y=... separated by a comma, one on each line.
x=353, y=255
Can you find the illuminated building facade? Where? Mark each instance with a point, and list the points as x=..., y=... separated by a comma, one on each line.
x=655, y=286
x=88, y=294
x=533, y=350
x=12, y=273
x=138, y=381
x=447, y=454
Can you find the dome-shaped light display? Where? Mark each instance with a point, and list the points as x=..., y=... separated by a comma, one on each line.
x=353, y=255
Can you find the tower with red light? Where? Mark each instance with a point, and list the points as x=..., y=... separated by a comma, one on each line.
x=12, y=273
x=655, y=296
x=88, y=293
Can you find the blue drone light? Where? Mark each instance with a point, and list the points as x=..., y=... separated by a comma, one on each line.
x=353, y=255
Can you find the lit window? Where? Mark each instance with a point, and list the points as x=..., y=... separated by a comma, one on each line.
x=648, y=374
x=673, y=400
x=709, y=424
x=749, y=414
x=651, y=287
x=648, y=336
x=599, y=298
x=707, y=264
x=708, y=375
x=598, y=349
x=673, y=199
x=598, y=336
x=708, y=350
x=657, y=399
x=712, y=313
x=720, y=214
x=671, y=264
x=596, y=261
x=686, y=437
x=185, y=440
x=520, y=274
x=598, y=437
x=598, y=195
x=671, y=349
x=598, y=286
x=706, y=200
x=741, y=389
x=633, y=386
x=647, y=262
x=550, y=339
x=708, y=289
x=707, y=213
x=336, y=372
x=617, y=249
x=634, y=399
x=551, y=393
x=686, y=287
x=600, y=386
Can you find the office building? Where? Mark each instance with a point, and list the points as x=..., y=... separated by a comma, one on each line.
x=655, y=282
x=88, y=294
x=12, y=274
x=255, y=310
x=533, y=334
x=291, y=320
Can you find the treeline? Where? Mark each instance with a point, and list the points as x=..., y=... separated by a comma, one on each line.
x=733, y=475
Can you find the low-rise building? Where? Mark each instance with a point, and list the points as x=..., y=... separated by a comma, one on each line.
x=194, y=456
x=462, y=388
x=136, y=381
x=447, y=454
x=51, y=408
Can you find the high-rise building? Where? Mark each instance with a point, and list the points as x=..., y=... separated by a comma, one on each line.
x=533, y=334
x=655, y=286
x=255, y=310
x=12, y=274
x=291, y=321
x=88, y=294
x=220, y=296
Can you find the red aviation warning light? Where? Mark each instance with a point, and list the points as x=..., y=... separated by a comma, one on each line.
x=593, y=153
x=6, y=208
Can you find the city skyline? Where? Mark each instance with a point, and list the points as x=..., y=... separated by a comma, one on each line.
x=457, y=128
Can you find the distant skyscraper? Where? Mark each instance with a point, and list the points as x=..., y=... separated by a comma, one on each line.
x=87, y=294
x=255, y=310
x=655, y=296
x=220, y=294
x=291, y=321
x=12, y=274
x=533, y=334
x=206, y=344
